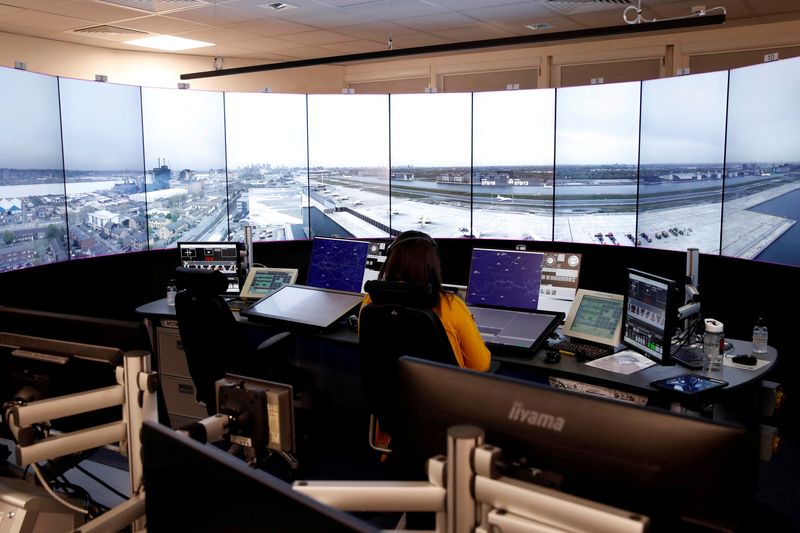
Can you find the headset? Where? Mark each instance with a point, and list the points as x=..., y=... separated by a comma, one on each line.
x=411, y=236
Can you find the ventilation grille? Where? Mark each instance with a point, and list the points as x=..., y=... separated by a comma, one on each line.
x=566, y=7
x=157, y=6
x=109, y=33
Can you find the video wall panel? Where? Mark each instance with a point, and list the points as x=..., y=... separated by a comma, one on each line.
x=597, y=151
x=681, y=162
x=267, y=165
x=710, y=161
x=431, y=163
x=104, y=167
x=348, y=158
x=513, y=136
x=33, y=223
x=762, y=182
x=186, y=183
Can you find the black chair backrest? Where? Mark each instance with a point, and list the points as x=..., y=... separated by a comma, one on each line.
x=399, y=321
x=208, y=329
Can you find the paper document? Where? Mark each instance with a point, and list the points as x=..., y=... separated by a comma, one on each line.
x=624, y=362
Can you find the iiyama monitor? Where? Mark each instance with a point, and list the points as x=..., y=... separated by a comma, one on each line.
x=673, y=468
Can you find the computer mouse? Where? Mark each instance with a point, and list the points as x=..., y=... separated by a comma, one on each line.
x=748, y=360
x=552, y=358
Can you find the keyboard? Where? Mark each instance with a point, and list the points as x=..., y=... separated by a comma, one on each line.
x=591, y=351
x=238, y=305
x=689, y=357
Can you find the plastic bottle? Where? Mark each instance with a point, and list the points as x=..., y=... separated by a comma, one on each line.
x=713, y=345
x=760, y=336
x=172, y=290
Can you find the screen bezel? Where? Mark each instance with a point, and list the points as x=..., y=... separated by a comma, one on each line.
x=264, y=310
x=616, y=338
x=251, y=276
x=670, y=317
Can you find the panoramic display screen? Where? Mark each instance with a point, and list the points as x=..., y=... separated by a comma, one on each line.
x=707, y=161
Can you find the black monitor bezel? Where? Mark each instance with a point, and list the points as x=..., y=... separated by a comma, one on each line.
x=310, y=270
x=510, y=308
x=670, y=317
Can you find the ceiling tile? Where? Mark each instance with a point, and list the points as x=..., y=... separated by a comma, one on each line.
x=377, y=32
x=307, y=52
x=474, y=33
x=463, y=5
x=44, y=22
x=268, y=44
x=314, y=38
x=7, y=10
x=393, y=9
x=269, y=27
x=216, y=15
x=94, y=11
x=356, y=47
x=444, y=21
x=217, y=35
x=40, y=5
x=163, y=25
x=418, y=39
x=516, y=13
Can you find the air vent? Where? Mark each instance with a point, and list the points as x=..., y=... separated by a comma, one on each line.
x=278, y=6
x=157, y=6
x=109, y=33
x=567, y=7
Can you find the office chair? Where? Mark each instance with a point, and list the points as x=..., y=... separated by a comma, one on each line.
x=211, y=340
x=399, y=321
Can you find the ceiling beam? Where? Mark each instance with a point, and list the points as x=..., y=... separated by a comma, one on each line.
x=627, y=29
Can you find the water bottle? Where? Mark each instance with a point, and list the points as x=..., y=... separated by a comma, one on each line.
x=172, y=290
x=760, y=336
x=713, y=345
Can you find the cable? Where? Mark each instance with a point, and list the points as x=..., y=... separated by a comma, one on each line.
x=53, y=494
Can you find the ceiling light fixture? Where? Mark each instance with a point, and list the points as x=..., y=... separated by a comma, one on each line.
x=539, y=26
x=278, y=6
x=170, y=43
x=541, y=38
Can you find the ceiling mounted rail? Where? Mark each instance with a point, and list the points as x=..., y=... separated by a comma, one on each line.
x=627, y=29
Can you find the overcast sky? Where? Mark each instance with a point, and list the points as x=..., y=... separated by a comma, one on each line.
x=683, y=119
x=430, y=130
x=764, y=116
x=186, y=128
x=514, y=127
x=266, y=128
x=102, y=125
x=598, y=124
x=348, y=130
x=30, y=134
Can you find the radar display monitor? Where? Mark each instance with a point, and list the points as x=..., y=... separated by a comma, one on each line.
x=337, y=264
x=678, y=470
x=651, y=309
x=596, y=317
x=222, y=256
x=507, y=279
x=263, y=281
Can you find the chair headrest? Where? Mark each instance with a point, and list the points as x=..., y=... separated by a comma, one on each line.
x=419, y=295
x=198, y=280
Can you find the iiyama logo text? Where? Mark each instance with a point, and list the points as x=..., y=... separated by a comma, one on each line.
x=535, y=418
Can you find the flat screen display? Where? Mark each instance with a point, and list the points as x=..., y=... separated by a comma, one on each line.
x=222, y=256
x=505, y=278
x=649, y=309
x=337, y=264
x=595, y=316
x=308, y=306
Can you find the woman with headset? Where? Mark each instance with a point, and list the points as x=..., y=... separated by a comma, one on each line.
x=414, y=257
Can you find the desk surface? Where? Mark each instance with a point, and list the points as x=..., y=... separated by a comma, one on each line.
x=568, y=367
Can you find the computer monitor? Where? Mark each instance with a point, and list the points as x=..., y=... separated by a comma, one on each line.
x=304, y=306
x=263, y=281
x=651, y=309
x=595, y=317
x=337, y=264
x=559, y=283
x=198, y=487
x=505, y=278
x=222, y=256
x=673, y=468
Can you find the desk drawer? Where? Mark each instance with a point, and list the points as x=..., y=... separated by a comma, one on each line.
x=171, y=358
x=179, y=398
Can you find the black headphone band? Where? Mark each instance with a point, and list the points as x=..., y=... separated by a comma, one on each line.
x=414, y=237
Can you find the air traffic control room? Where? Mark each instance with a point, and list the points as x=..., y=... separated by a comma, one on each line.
x=202, y=321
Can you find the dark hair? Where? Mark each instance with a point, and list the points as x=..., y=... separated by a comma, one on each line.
x=414, y=257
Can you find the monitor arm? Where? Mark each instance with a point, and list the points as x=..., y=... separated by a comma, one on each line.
x=692, y=306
